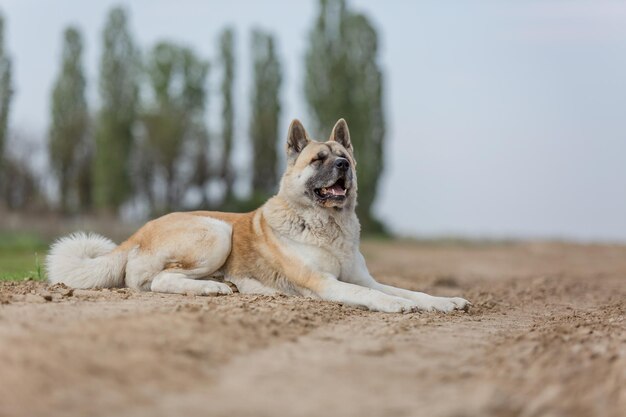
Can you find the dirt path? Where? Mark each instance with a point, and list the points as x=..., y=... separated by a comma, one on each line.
x=546, y=336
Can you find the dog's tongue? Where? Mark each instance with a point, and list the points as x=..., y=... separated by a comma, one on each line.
x=337, y=190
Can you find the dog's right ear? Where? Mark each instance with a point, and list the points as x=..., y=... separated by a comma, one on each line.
x=297, y=139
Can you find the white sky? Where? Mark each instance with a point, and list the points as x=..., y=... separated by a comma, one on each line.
x=505, y=118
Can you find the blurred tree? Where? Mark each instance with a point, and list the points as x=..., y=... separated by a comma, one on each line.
x=21, y=188
x=20, y=191
x=344, y=79
x=68, y=142
x=227, y=61
x=6, y=93
x=265, y=114
x=175, y=132
x=119, y=77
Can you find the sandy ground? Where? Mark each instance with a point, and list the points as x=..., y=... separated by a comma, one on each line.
x=546, y=336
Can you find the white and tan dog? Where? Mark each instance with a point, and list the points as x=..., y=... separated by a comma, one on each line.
x=303, y=241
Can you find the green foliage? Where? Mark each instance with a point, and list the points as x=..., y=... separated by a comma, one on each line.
x=119, y=80
x=68, y=144
x=344, y=79
x=20, y=256
x=227, y=61
x=175, y=132
x=265, y=113
x=157, y=150
x=6, y=93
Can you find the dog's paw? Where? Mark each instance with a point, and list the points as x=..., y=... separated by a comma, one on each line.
x=215, y=288
x=446, y=305
x=396, y=305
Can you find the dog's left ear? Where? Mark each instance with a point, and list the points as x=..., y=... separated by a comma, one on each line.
x=341, y=134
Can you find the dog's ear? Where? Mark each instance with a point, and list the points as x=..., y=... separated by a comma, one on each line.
x=297, y=139
x=341, y=134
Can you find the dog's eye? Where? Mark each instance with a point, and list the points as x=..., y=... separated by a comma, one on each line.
x=320, y=157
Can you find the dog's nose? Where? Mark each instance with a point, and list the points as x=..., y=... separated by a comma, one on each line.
x=342, y=164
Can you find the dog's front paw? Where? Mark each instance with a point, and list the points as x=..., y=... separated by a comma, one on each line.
x=447, y=305
x=395, y=305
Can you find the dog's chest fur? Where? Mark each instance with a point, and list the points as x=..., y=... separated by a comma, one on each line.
x=323, y=239
x=320, y=240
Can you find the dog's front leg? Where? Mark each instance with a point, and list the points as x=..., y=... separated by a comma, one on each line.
x=330, y=288
x=359, y=275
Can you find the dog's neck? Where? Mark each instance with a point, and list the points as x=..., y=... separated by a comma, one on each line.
x=311, y=223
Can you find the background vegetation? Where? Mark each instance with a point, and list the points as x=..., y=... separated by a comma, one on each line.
x=148, y=145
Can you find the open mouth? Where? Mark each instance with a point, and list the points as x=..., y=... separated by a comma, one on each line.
x=336, y=191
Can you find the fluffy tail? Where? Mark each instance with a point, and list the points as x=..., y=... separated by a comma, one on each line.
x=86, y=261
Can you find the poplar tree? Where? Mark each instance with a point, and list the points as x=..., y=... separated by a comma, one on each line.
x=174, y=124
x=266, y=109
x=6, y=94
x=119, y=77
x=227, y=61
x=344, y=79
x=68, y=141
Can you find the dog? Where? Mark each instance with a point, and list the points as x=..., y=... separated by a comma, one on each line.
x=304, y=241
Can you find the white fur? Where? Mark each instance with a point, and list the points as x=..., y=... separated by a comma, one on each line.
x=143, y=267
x=179, y=283
x=356, y=295
x=85, y=261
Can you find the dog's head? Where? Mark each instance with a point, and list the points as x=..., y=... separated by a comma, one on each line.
x=320, y=174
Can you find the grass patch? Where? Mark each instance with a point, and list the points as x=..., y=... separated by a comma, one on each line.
x=21, y=256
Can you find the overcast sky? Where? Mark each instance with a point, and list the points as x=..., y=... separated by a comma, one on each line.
x=505, y=118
